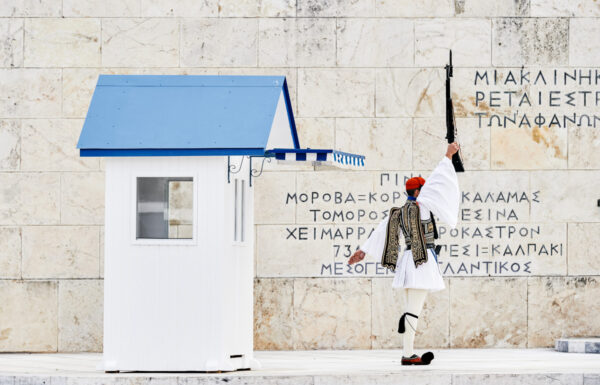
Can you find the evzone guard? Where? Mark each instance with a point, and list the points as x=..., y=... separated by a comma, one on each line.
x=416, y=270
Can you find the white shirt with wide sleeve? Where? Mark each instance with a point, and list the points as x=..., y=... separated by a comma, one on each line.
x=441, y=196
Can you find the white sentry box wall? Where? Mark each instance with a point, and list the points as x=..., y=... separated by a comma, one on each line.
x=178, y=304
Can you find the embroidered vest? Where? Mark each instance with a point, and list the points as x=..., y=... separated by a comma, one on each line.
x=418, y=234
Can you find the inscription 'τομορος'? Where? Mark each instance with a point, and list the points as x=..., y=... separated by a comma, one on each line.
x=490, y=239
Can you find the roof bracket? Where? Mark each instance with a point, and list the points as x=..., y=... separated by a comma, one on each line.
x=234, y=169
x=256, y=173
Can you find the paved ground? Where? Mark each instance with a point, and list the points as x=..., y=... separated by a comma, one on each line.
x=457, y=366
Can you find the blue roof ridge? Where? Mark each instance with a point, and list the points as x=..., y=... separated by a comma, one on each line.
x=105, y=80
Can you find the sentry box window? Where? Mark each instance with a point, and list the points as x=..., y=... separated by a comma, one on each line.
x=165, y=208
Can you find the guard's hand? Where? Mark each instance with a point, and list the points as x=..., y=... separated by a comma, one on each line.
x=452, y=149
x=358, y=256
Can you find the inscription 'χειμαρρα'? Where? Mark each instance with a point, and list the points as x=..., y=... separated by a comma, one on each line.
x=493, y=237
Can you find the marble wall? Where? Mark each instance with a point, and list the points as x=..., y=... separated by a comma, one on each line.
x=365, y=76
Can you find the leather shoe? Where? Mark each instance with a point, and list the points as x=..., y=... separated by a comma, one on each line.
x=425, y=359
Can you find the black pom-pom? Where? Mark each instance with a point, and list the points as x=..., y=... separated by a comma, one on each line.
x=426, y=358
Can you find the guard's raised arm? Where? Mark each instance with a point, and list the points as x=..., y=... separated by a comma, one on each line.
x=441, y=194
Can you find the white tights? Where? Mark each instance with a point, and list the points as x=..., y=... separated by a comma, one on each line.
x=414, y=300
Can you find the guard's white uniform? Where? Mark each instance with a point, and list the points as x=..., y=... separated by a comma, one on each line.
x=440, y=195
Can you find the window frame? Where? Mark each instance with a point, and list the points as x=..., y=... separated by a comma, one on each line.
x=167, y=241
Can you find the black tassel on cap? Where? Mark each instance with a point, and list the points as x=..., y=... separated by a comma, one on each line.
x=401, y=328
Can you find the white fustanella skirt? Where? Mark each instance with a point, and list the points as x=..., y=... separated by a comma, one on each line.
x=427, y=276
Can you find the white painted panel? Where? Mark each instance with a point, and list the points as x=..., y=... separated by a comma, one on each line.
x=281, y=134
x=170, y=304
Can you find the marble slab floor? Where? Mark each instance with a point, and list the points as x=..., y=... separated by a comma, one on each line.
x=451, y=366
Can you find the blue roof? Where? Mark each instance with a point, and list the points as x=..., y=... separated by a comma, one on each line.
x=143, y=115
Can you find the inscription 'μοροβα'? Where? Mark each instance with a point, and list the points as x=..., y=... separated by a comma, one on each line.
x=493, y=236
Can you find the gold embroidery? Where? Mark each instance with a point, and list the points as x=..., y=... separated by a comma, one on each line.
x=389, y=258
x=408, y=219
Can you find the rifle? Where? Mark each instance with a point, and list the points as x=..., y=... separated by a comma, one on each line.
x=450, y=122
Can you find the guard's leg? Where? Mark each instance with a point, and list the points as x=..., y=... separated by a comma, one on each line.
x=415, y=298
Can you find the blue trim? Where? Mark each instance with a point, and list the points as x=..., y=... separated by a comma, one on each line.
x=172, y=152
x=291, y=120
x=299, y=151
x=411, y=198
x=348, y=154
x=341, y=157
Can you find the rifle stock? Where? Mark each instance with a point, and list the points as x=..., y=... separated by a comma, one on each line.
x=450, y=121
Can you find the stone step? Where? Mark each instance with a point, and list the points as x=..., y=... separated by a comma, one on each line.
x=578, y=345
x=323, y=367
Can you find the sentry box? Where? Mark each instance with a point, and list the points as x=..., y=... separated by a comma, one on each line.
x=179, y=229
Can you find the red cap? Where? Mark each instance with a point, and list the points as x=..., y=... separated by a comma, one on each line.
x=414, y=183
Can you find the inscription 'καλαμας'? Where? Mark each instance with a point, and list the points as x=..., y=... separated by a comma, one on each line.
x=494, y=236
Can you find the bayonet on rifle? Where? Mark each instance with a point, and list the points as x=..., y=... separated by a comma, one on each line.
x=451, y=133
